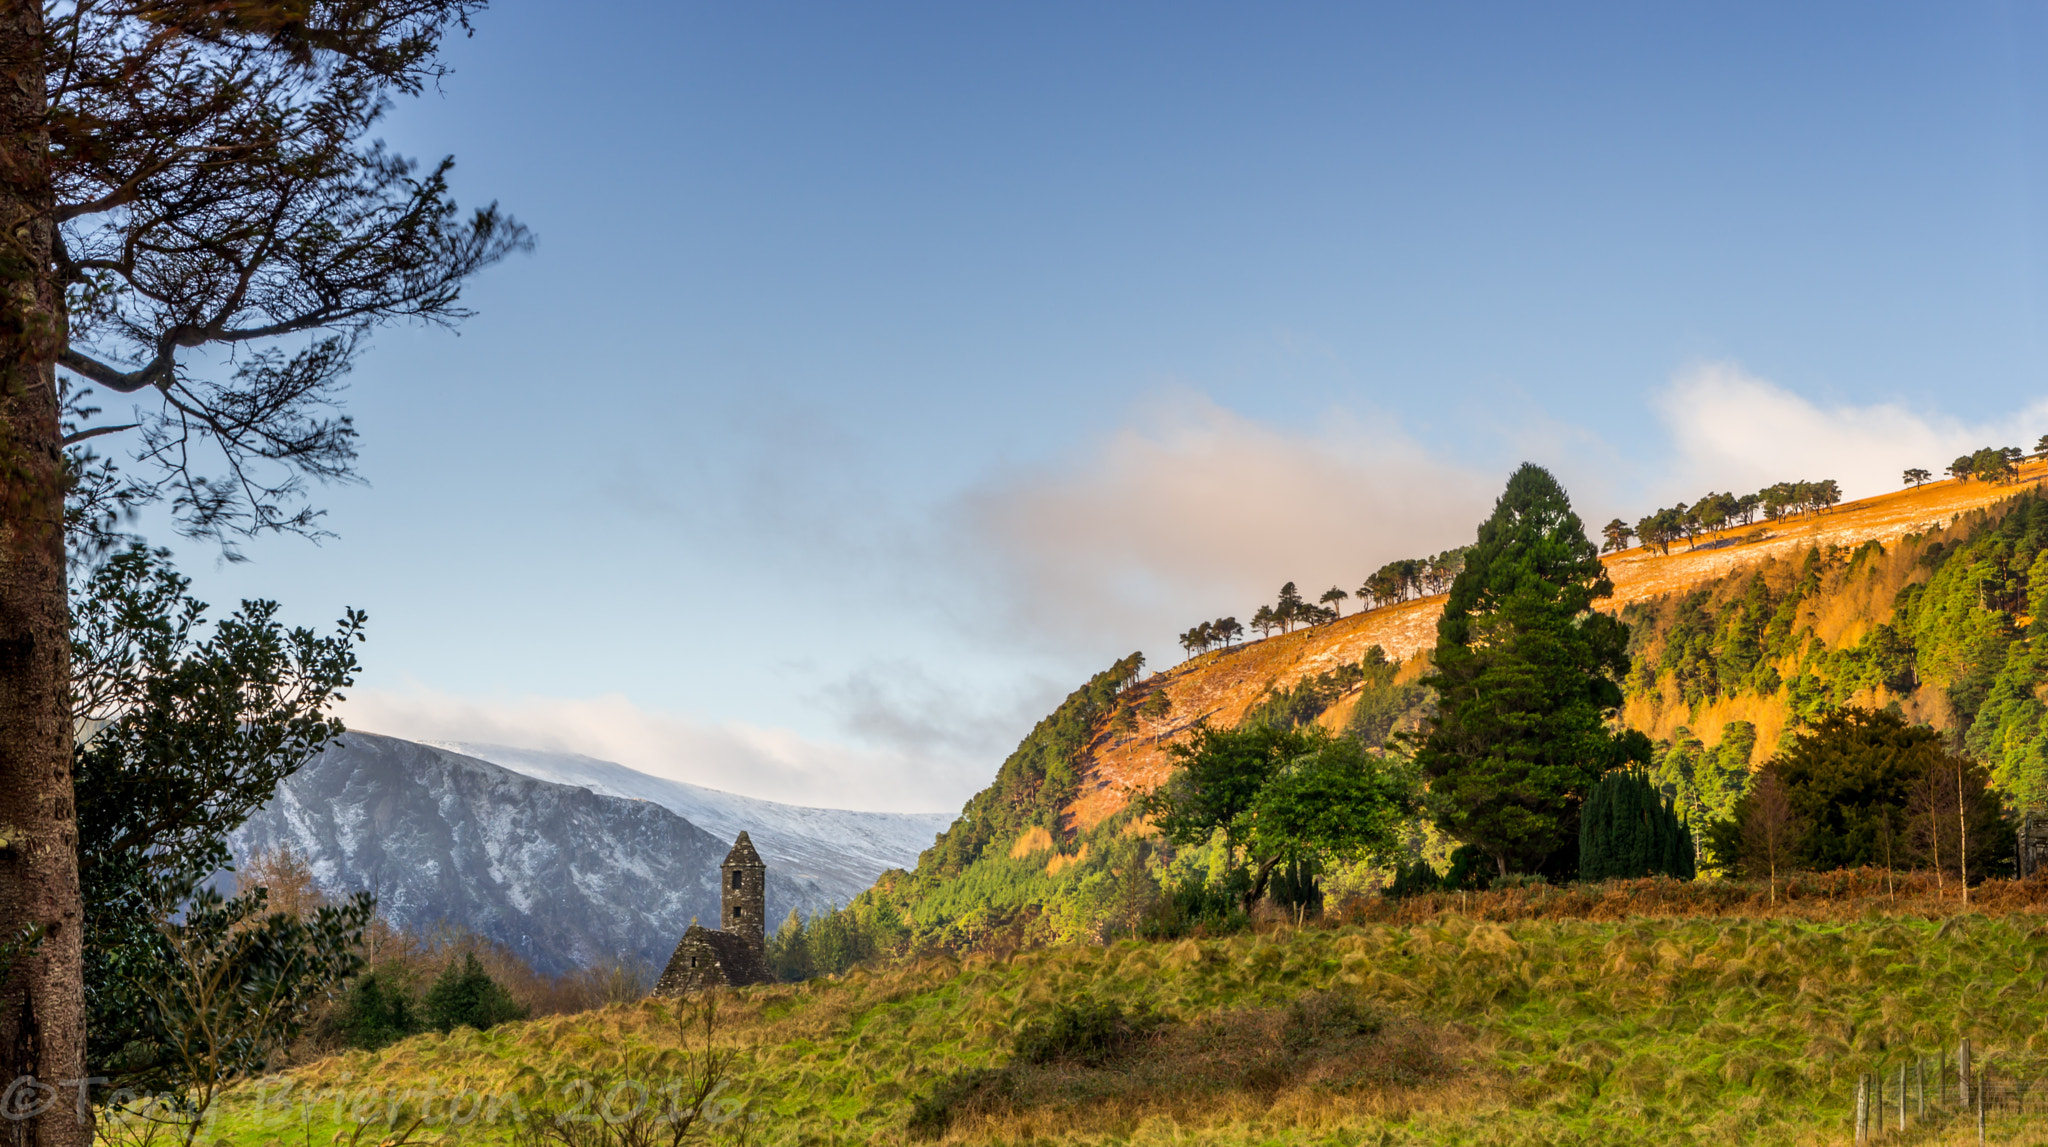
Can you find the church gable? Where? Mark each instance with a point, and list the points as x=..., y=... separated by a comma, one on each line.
x=736, y=954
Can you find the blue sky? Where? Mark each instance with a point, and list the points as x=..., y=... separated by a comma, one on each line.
x=883, y=370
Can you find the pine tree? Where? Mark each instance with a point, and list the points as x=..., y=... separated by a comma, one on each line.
x=464, y=995
x=1628, y=829
x=1526, y=680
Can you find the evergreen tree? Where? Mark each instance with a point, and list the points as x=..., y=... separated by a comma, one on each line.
x=1617, y=534
x=789, y=951
x=1629, y=829
x=376, y=1011
x=464, y=995
x=1288, y=609
x=196, y=725
x=1526, y=680
x=1334, y=598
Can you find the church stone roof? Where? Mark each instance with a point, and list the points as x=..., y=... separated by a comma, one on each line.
x=707, y=958
x=743, y=854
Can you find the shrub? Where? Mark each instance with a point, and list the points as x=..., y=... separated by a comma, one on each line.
x=1193, y=905
x=464, y=995
x=376, y=1011
x=1085, y=1032
x=1319, y=1020
x=1294, y=888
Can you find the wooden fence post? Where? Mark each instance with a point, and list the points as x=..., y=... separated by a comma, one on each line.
x=1902, y=1098
x=1920, y=1083
x=1863, y=1108
x=1981, y=1080
x=1963, y=1073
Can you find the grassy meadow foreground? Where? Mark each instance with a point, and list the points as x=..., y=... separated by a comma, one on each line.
x=1642, y=1012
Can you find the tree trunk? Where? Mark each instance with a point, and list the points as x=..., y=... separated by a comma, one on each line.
x=1258, y=888
x=42, y=999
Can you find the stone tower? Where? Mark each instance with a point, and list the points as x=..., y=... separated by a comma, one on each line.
x=743, y=894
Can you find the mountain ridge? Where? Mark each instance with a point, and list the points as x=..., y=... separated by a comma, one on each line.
x=563, y=876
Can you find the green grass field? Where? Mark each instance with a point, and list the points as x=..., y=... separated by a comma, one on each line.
x=1701, y=1030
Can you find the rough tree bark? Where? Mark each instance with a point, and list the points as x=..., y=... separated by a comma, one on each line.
x=42, y=1012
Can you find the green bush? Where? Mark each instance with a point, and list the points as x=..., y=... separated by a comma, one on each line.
x=376, y=1011
x=1294, y=888
x=1084, y=1032
x=464, y=995
x=1193, y=905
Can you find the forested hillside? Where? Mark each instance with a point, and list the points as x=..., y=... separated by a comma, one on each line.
x=1923, y=601
x=1941, y=626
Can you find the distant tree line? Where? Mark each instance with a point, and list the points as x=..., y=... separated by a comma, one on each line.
x=1391, y=584
x=1994, y=464
x=1719, y=511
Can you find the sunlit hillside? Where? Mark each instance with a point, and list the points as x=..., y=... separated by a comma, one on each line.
x=1223, y=684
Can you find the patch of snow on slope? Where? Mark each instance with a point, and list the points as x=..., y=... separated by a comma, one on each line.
x=842, y=849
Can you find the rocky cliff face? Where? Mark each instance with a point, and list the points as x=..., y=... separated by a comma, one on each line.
x=562, y=875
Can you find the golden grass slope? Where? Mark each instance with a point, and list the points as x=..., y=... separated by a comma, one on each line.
x=1223, y=684
x=1749, y=1027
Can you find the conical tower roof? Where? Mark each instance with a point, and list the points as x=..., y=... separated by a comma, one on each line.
x=743, y=855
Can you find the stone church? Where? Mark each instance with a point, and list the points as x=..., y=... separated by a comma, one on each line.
x=737, y=952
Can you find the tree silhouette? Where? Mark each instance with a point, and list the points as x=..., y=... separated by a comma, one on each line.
x=1264, y=621
x=1916, y=477
x=1526, y=681
x=1617, y=534
x=1288, y=609
x=200, y=217
x=1334, y=598
x=1962, y=468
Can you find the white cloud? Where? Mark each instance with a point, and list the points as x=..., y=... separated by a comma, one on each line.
x=1187, y=511
x=773, y=764
x=1731, y=430
x=1195, y=511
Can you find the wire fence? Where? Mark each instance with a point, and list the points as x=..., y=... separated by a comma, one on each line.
x=1947, y=1097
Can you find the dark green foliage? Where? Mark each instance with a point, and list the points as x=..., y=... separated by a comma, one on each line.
x=1628, y=829
x=1084, y=1031
x=1855, y=779
x=1526, y=680
x=1411, y=878
x=1967, y=627
x=1192, y=905
x=464, y=995
x=376, y=1011
x=825, y=945
x=1295, y=889
x=789, y=951
x=1280, y=796
x=1471, y=870
x=1703, y=782
x=1382, y=705
x=194, y=732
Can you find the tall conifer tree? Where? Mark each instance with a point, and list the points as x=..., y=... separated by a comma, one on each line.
x=1526, y=681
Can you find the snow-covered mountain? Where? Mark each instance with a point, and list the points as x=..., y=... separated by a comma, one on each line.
x=563, y=875
x=841, y=851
